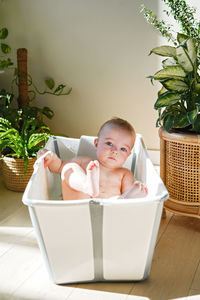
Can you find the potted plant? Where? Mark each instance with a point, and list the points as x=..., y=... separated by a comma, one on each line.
x=19, y=148
x=178, y=106
x=22, y=128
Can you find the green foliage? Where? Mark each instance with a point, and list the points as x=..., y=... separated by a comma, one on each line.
x=182, y=13
x=162, y=26
x=23, y=143
x=22, y=129
x=178, y=102
x=5, y=61
x=16, y=115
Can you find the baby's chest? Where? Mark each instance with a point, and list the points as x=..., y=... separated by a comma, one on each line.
x=112, y=182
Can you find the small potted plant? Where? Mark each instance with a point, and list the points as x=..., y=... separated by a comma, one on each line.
x=19, y=148
x=178, y=106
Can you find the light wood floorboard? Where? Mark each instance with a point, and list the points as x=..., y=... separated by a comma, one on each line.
x=175, y=271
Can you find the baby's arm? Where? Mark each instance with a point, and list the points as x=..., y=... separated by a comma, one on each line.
x=51, y=160
x=131, y=189
x=127, y=181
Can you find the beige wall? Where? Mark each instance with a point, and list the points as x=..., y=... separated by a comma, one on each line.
x=100, y=48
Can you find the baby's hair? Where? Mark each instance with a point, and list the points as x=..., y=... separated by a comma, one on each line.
x=118, y=122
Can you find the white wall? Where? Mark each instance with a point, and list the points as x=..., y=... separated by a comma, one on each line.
x=100, y=48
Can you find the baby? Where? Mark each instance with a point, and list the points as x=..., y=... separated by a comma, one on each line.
x=105, y=177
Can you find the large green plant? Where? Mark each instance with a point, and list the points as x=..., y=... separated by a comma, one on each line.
x=22, y=127
x=178, y=101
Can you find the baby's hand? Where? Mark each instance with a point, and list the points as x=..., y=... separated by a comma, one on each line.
x=142, y=188
x=138, y=190
x=45, y=154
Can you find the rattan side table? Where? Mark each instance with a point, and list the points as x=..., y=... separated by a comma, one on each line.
x=180, y=171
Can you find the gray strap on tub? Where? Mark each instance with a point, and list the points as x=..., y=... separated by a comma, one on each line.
x=133, y=163
x=56, y=146
x=57, y=182
x=96, y=214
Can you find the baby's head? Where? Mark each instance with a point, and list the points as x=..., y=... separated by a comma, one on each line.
x=118, y=123
x=115, y=141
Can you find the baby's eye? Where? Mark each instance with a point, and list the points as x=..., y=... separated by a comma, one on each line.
x=124, y=149
x=109, y=143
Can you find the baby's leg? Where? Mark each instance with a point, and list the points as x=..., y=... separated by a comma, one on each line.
x=77, y=184
x=138, y=190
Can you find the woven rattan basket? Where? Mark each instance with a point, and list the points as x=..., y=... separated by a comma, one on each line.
x=13, y=173
x=180, y=171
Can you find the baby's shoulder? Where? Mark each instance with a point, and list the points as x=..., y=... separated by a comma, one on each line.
x=126, y=172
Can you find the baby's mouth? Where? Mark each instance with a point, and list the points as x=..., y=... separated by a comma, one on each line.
x=112, y=158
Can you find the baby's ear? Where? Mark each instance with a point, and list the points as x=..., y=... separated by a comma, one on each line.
x=96, y=142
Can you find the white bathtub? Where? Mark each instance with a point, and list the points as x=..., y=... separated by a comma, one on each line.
x=95, y=239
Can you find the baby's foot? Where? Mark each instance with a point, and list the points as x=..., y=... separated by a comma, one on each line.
x=93, y=178
x=138, y=190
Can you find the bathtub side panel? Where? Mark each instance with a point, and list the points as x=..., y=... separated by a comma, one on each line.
x=128, y=231
x=66, y=240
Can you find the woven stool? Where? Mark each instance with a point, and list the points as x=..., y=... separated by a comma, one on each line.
x=180, y=171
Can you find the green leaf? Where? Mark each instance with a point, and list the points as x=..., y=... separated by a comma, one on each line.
x=192, y=115
x=3, y=33
x=37, y=138
x=5, y=48
x=181, y=37
x=168, y=122
x=164, y=51
x=170, y=72
x=47, y=112
x=50, y=83
x=192, y=49
x=175, y=85
x=197, y=87
x=184, y=59
x=5, y=122
x=162, y=91
x=181, y=120
x=196, y=125
x=169, y=62
x=5, y=63
x=59, y=89
x=167, y=99
x=45, y=129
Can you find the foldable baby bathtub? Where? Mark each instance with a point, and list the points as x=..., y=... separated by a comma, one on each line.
x=95, y=239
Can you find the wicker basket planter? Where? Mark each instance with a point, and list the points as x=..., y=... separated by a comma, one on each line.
x=180, y=171
x=13, y=173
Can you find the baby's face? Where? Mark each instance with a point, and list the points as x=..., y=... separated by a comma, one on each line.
x=114, y=146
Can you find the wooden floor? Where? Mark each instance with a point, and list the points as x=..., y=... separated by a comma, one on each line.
x=175, y=271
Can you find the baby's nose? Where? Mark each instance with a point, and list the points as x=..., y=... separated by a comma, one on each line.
x=114, y=149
